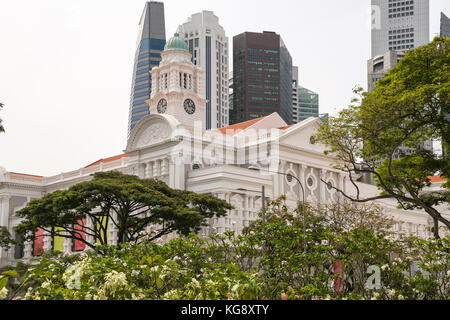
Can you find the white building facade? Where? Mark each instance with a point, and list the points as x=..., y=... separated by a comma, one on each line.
x=171, y=145
x=208, y=45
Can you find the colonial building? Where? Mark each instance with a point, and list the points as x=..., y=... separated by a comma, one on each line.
x=171, y=145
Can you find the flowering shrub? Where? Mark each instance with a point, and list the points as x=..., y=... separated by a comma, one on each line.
x=272, y=260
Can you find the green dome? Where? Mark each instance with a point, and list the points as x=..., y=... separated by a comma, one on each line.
x=176, y=43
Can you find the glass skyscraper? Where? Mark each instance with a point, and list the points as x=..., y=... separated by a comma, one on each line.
x=262, y=77
x=308, y=104
x=150, y=44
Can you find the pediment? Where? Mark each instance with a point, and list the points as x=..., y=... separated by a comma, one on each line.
x=302, y=135
x=152, y=130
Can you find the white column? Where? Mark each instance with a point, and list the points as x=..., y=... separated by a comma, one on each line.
x=156, y=169
x=67, y=245
x=47, y=241
x=113, y=234
x=164, y=167
x=28, y=250
x=4, y=222
x=323, y=173
x=89, y=225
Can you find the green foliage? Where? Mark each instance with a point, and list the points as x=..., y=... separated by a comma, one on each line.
x=131, y=204
x=268, y=261
x=409, y=106
x=5, y=239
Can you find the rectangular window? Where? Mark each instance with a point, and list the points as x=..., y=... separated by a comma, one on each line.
x=38, y=244
x=58, y=242
x=102, y=228
x=80, y=233
x=142, y=86
x=142, y=71
x=138, y=102
x=141, y=94
x=142, y=109
x=142, y=79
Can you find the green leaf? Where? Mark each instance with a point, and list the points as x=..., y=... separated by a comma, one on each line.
x=3, y=282
x=11, y=273
x=159, y=283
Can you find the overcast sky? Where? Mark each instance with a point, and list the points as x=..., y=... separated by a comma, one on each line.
x=66, y=66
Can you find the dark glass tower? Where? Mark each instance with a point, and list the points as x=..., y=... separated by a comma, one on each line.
x=150, y=44
x=445, y=25
x=262, y=77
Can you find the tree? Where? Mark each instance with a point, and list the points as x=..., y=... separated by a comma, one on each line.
x=409, y=106
x=2, y=129
x=131, y=204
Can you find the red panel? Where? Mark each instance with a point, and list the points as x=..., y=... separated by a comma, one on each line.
x=38, y=242
x=79, y=245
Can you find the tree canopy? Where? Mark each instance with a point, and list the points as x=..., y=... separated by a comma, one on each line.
x=137, y=208
x=408, y=107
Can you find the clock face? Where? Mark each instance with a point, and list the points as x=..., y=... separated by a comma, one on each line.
x=189, y=106
x=162, y=106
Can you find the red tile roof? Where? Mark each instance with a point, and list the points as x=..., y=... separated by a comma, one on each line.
x=436, y=179
x=107, y=160
x=25, y=177
x=239, y=126
x=28, y=175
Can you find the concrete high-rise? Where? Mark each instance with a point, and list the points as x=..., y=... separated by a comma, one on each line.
x=445, y=26
x=150, y=43
x=208, y=45
x=399, y=25
x=262, y=76
x=378, y=66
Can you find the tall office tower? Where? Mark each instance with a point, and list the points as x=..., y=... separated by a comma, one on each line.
x=295, y=94
x=399, y=25
x=378, y=66
x=308, y=104
x=150, y=44
x=445, y=26
x=230, y=95
x=262, y=69
x=208, y=45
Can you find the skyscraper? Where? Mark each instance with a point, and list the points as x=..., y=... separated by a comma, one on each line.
x=378, y=66
x=295, y=93
x=399, y=25
x=208, y=45
x=308, y=104
x=262, y=76
x=150, y=44
x=445, y=26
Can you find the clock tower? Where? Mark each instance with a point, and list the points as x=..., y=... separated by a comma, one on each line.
x=177, y=85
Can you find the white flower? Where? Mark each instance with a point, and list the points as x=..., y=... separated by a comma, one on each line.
x=392, y=292
x=324, y=242
x=284, y=263
x=384, y=267
x=135, y=273
x=46, y=285
x=375, y=296
x=400, y=297
x=115, y=280
x=3, y=293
